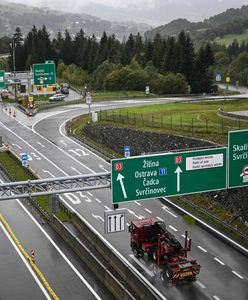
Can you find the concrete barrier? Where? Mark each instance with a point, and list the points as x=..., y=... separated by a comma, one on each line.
x=92, y=262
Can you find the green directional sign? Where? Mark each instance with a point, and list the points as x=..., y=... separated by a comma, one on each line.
x=44, y=74
x=238, y=158
x=2, y=79
x=146, y=177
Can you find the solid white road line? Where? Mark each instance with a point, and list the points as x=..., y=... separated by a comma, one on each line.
x=219, y=261
x=202, y=249
x=142, y=266
x=173, y=228
x=238, y=275
x=25, y=262
x=200, y=284
x=60, y=252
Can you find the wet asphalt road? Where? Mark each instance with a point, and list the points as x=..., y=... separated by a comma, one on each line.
x=55, y=155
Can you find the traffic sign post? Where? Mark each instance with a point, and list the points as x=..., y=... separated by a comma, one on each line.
x=170, y=174
x=238, y=158
x=25, y=162
x=114, y=222
x=44, y=74
x=127, y=151
x=2, y=79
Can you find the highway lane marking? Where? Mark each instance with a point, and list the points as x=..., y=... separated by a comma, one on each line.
x=63, y=142
x=86, y=198
x=72, y=198
x=74, y=169
x=216, y=298
x=48, y=172
x=133, y=213
x=202, y=249
x=99, y=201
x=200, y=284
x=160, y=219
x=107, y=208
x=89, y=193
x=19, y=147
x=137, y=203
x=183, y=235
x=165, y=208
x=237, y=274
x=206, y=225
x=219, y=261
x=173, y=228
x=34, y=148
x=97, y=217
x=138, y=262
x=60, y=252
x=148, y=210
x=39, y=143
x=102, y=167
x=127, y=224
x=17, y=246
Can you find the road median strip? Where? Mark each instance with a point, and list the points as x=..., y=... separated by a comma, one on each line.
x=25, y=254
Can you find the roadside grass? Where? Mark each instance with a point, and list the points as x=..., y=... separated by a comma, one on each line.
x=199, y=120
x=18, y=173
x=117, y=94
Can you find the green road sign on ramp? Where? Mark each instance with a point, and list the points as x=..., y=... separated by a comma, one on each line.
x=238, y=158
x=2, y=79
x=44, y=74
x=146, y=177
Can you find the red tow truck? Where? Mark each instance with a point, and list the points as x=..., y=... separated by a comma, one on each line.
x=151, y=240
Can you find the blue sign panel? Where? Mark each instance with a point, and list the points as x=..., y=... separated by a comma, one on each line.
x=24, y=156
x=126, y=151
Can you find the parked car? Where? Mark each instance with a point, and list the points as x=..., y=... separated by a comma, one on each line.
x=56, y=97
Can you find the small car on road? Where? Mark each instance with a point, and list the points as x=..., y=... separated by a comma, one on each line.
x=56, y=97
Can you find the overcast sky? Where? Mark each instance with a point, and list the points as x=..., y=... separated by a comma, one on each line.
x=154, y=12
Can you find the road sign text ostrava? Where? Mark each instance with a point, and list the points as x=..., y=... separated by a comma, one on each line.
x=44, y=74
x=238, y=158
x=146, y=177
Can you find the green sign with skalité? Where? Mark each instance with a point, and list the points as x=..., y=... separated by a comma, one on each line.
x=238, y=158
x=146, y=177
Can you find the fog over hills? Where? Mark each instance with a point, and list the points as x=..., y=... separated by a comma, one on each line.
x=154, y=12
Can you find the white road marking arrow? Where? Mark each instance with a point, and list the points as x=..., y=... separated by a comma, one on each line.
x=178, y=171
x=120, y=178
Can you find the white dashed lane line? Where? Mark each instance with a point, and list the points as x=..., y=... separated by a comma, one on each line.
x=200, y=284
x=99, y=201
x=219, y=261
x=216, y=298
x=160, y=219
x=148, y=210
x=89, y=193
x=237, y=274
x=137, y=203
x=173, y=228
x=202, y=249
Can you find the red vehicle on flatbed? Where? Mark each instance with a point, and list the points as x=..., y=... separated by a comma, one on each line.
x=151, y=240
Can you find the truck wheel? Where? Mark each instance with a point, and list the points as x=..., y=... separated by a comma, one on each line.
x=154, y=255
x=163, y=276
x=136, y=252
x=146, y=256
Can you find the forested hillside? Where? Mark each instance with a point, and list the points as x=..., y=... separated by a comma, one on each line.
x=233, y=21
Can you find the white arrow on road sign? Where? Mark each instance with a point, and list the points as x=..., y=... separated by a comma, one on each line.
x=178, y=171
x=120, y=178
